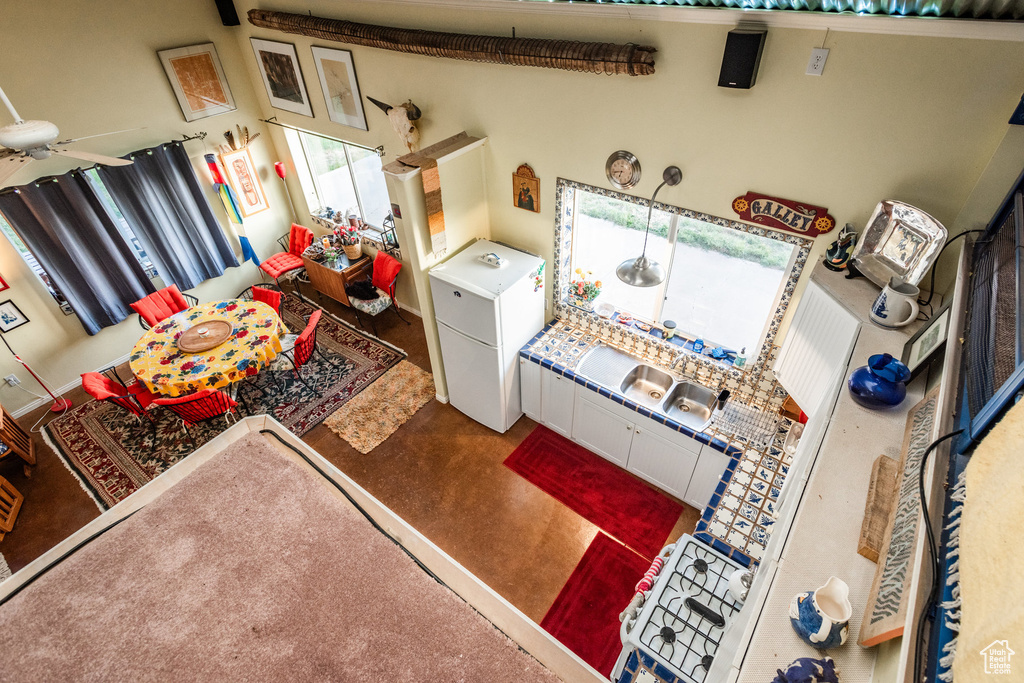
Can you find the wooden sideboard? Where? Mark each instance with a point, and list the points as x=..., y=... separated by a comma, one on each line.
x=332, y=281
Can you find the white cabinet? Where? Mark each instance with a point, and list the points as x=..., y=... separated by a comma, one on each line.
x=663, y=463
x=705, y=478
x=529, y=385
x=604, y=433
x=558, y=396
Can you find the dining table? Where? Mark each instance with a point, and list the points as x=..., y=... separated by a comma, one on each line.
x=253, y=339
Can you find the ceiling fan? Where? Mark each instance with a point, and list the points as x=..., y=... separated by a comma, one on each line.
x=23, y=141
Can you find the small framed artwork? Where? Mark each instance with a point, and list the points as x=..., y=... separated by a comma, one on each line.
x=198, y=81
x=279, y=66
x=11, y=316
x=921, y=349
x=341, y=89
x=526, y=189
x=242, y=174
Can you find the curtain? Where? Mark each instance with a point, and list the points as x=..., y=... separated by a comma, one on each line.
x=161, y=199
x=66, y=228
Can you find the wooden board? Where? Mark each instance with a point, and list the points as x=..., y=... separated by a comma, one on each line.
x=193, y=340
x=878, y=507
x=886, y=612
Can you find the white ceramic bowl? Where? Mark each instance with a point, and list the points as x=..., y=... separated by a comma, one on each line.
x=604, y=309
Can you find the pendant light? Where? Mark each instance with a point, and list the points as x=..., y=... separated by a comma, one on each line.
x=643, y=272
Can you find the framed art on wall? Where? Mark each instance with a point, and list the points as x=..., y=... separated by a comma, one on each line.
x=198, y=81
x=922, y=347
x=242, y=174
x=279, y=67
x=341, y=89
x=11, y=316
x=526, y=189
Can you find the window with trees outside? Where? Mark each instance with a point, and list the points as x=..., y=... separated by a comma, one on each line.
x=726, y=281
x=341, y=175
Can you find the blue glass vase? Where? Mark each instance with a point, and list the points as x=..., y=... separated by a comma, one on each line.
x=881, y=383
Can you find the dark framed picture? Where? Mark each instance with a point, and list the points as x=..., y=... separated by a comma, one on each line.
x=923, y=346
x=11, y=316
x=279, y=67
x=526, y=189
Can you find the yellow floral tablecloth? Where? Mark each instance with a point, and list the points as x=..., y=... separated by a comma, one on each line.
x=254, y=343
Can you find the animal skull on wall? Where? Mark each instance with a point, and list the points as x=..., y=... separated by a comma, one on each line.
x=402, y=118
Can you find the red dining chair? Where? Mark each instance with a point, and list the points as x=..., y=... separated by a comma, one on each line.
x=300, y=349
x=162, y=304
x=385, y=275
x=198, y=407
x=299, y=237
x=133, y=397
x=268, y=294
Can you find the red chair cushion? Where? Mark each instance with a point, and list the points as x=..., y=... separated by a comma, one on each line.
x=161, y=304
x=142, y=394
x=307, y=340
x=267, y=296
x=279, y=264
x=299, y=237
x=385, y=271
x=100, y=387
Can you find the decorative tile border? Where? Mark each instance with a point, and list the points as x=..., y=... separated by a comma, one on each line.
x=565, y=195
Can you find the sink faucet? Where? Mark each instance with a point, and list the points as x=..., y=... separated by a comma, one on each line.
x=675, y=361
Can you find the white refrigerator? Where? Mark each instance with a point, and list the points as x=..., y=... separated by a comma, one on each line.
x=488, y=302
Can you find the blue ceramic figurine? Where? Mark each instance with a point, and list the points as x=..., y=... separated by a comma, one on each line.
x=822, y=617
x=809, y=670
x=880, y=383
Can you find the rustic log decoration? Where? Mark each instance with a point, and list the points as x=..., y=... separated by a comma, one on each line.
x=571, y=55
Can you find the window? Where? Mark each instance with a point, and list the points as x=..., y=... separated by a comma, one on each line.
x=726, y=281
x=12, y=236
x=342, y=176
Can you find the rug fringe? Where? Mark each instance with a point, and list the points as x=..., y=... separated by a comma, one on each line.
x=45, y=433
x=952, y=607
x=5, y=571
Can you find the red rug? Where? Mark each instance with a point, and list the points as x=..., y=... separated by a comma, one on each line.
x=585, y=615
x=605, y=495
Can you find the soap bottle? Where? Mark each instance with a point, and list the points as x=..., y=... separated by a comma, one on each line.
x=741, y=358
x=698, y=346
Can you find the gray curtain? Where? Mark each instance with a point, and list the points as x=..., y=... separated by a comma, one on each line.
x=66, y=228
x=161, y=199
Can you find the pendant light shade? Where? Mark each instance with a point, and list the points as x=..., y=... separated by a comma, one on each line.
x=642, y=271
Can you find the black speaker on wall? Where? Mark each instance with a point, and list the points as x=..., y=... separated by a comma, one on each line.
x=228, y=15
x=742, y=57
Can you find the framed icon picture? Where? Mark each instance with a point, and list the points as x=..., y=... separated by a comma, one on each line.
x=341, y=89
x=526, y=189
x=282, y=77
x=11, y=316
x=920, y=350
x=197, y=80
x=244, y=178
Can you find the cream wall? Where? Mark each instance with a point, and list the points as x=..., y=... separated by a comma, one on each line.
x=92, y=68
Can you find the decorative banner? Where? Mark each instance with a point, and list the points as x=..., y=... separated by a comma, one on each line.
x=784, y=214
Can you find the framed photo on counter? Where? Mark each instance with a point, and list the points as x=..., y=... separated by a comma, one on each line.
x=922, y=347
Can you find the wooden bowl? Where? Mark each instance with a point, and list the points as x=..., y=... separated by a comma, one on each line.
x=204, y=335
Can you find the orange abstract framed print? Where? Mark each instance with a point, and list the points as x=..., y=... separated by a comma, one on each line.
x=198, y=81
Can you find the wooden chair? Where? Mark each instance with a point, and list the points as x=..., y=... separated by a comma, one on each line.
x=385, y=275
x=134, y=397
x=162, y=304
x=10, y=506
x=199, y=407
x=299, y=237
x=15, y=441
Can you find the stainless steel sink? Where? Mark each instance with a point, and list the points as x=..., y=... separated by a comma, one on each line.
x=646, y=385
x=690, y=404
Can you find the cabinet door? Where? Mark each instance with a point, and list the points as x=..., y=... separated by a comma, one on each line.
x=709, y=470
x=660, y=461
x=557, y=399
x=529, y=384
x=602, y=432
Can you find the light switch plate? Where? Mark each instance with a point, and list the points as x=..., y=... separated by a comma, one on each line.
x=817, y=64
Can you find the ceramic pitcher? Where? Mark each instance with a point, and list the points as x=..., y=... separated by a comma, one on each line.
x=822, y=617
x=896, y=306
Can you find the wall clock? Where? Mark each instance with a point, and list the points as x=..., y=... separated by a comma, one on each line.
x=623, y=169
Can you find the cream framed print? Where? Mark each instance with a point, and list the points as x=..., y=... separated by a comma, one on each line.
x=341, y=89
x=242, y=174
x=282, y=77
x=198, y=81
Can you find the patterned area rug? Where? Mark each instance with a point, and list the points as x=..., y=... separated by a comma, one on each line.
x=374, y=415
x=113, y=455
x=5, y=571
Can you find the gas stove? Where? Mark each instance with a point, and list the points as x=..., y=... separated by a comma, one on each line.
x=684, y=616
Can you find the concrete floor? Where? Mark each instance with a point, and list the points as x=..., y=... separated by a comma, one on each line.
x=441, y=471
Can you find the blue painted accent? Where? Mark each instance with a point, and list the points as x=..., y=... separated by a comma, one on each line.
x=604, y=392
x=720, y=547
x=646, y=412
x=546, y=363
x=579, y=380
x=618, y=399
x=720, y=489
x=741, y=558
x=715, y=500
x=708, y=511
x=703, y=537
x=560, y=369
x=702, y=437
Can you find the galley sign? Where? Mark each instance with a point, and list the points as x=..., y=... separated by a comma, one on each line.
x=784, y=214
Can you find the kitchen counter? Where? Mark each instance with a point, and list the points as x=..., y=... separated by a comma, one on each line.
x=738, y=520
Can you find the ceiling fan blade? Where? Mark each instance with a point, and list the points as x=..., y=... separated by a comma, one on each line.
x=97, y=135
x=11, y=164
x=89, y=156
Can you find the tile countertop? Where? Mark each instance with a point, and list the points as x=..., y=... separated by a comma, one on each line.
x=737, y=521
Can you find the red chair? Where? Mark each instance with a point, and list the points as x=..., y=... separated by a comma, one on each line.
x=134, y=397
x=385, y=275
x=300, y=349
x=299, y=237
x=268, y=294
x=202, y=405
x=162, y=304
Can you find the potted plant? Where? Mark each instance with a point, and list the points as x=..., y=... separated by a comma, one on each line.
x=583, y=291
x=351, y=240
